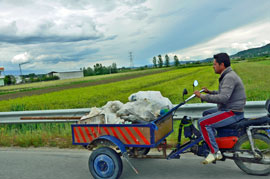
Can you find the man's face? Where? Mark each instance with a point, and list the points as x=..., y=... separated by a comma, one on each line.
x=218, y=67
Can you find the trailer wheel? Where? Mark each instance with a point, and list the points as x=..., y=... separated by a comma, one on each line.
x=105, y=163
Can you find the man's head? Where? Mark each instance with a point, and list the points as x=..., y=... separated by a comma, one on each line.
x=221, y=62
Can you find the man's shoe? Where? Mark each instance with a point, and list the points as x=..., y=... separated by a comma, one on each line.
x=209, y=159
x=219, y=155
x=212, y=157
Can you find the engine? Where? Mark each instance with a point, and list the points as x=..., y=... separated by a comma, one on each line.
x=200, y=149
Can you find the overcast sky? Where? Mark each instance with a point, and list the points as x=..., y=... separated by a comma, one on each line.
x=66, y=35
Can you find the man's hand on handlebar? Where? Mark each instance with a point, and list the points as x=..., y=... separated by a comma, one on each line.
x=197, y=94
x=205, y=90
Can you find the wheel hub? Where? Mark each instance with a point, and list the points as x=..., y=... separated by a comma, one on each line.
x=104, y=166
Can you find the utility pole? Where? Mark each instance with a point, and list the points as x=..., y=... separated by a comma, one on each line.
x=20, y=64
x=20, y=69
x=131, y=60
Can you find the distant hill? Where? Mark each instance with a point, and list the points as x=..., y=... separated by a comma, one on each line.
x=207, y=60
x=253, y=52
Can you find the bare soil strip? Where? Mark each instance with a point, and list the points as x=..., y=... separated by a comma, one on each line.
x=79, y=85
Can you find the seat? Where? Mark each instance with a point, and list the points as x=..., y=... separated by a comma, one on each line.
x=248, y=122
x=236, y=125
x=251, y=121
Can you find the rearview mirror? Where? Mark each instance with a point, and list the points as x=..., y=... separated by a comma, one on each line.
x=184, y=93
x=195, y=83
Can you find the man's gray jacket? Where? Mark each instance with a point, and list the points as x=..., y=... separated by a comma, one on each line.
x=231, y=94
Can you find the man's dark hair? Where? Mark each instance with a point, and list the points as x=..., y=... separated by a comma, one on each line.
x=223, y=58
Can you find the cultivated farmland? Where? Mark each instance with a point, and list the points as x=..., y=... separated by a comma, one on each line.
x=57, y=85
x=169, y=83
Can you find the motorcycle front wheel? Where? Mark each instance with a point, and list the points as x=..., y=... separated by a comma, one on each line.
x=262, y=147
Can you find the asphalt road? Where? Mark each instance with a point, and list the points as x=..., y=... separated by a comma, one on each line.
x=73, y=164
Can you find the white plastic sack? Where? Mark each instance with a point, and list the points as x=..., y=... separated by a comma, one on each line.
x=153, y=97
x=104, y=115
x=94, y=117
x=109, y=110
x=143, y=106
x=138, y=111
x=93, y=112
x=112, y=106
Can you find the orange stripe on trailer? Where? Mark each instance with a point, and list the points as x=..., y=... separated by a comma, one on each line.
x=81, y=132
x=141, y=135
x=122, y=133
x=76, y=135
x=99, y=131
x=88, y=133
x=114, y=133
x=106, y=130
x=93, y=131
x=132, y=136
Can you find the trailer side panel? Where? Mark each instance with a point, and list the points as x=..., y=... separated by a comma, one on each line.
x=127, y=134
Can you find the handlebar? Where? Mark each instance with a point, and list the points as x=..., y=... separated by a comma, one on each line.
x=192, y=96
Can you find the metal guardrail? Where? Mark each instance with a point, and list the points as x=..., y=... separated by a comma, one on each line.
x=252, y=109
x=14, y=117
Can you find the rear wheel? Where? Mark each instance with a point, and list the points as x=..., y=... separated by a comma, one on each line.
x=105, y=163
x=262, y=147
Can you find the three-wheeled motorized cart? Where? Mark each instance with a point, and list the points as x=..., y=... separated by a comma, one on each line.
x=243, y=142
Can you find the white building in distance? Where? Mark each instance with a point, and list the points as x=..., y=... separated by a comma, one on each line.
x=2, y=77
x=67, y=75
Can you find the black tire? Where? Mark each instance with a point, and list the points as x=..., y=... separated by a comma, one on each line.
x=105, y=163
x=263, y=148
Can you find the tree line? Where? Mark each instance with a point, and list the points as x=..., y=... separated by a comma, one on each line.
x=99, y=69
x=158, y=62
x=30, y=78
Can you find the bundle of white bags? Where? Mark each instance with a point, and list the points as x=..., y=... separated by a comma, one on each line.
x=143, y=106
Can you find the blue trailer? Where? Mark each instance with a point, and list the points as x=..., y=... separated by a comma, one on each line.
x=111, y=141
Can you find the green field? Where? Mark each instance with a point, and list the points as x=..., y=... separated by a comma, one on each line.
x=170, y=84
x=66, y=82
x=255, y=76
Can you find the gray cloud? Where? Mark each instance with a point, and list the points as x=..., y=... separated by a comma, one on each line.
x=101, y=5
x=57, y=59
x=70, y=29
x=65, y=53
x=43, y=39
x=138, y=13
x=132, y=2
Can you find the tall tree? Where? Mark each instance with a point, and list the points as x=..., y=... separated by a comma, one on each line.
x=160, y=61
x=155, y=62
x=114, y=68
x=167, y=60
x=176, y=60
x=9, y=80
x=98, y=68
x=88, y=71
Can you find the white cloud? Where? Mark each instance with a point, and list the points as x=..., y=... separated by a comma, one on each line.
x=250, y=36
x=21, y=58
